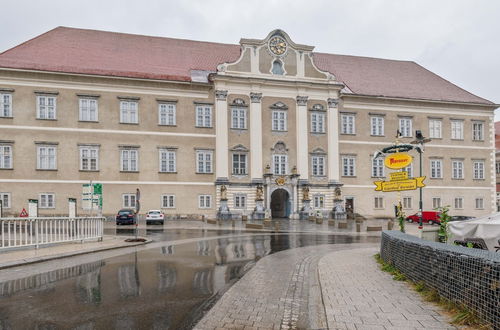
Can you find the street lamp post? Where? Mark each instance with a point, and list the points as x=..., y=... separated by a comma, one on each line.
x=420, y=140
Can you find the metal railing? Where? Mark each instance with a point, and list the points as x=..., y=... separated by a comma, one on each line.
x=20, y=232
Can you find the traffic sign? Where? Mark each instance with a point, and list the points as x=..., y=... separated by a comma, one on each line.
x=400, y=185
x=23, y=214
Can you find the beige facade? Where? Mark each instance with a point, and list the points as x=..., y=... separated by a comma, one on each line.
x=289, y=124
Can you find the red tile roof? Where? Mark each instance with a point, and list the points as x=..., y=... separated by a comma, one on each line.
x=94, y=52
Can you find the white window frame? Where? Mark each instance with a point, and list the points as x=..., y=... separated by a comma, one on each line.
x=407, y=202
x=319, y=201
x=43, y=157
x=377, y=167
x=6, y=196
x=457, y=129
x=6, y=160
x=203, y=115
x=318, y=165
x=167, y=113
x=377, y=125
x=457, y=169
x=88, y=109
x=127, y=163
x=409, y=170
x=89, y=150
x=406, y=127
x=170, y=201
x=378, y=202
x=129, y=201
x=479, y=203
x=280, y=164
x=436, y=202
x=478, y=172
x=279, y=120
x=6, y=105
x=238, y=117
x=44, y=202
x=204, y=159
x=204, y=201
x=240, y=201
x=318, y=122
x=477, y=131
x=46, y=110
x=435, y=128
x=129, y=112
x=242, y=167
x=458, y=203
x=436, y=171
x=348, y=166
x=167, y=161
x=348, y=124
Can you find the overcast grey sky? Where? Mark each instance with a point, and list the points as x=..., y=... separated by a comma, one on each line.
x=457, y=39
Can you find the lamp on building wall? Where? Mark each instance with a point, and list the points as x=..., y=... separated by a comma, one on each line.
x=420, y=140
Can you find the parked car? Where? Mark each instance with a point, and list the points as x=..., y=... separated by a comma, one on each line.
x=430, y=217
x=460, y=217
x=155, y=217
x=126, y=217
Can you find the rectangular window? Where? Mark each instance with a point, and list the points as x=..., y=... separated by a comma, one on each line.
x=5, y=105
x=168, y=201
x=436, y=202
x=239, y=118
x=377, y=167
x=457, y=129
x=347, y=124
x=435, y=128
x=317, y=122
x=378, y=202
x=128, y=201
x=203, y=161
x=5, y=156
x=89, y=158
x=377, y=125
x=239, y=164
x=319, y=201
x=318, y=165
x=88, y=109
x=5, y=198
x=129, y=160
x=497, y=167
x=46, y=107
x=436, y=168
x=348, y=165
x=240, y=201
x=166, y=114
x=409, y=170
x=46, y=157
x=129, y=112
x=47, y=201
x=479, y=203
x=279, y=120
x=203, y=116
x=167, y=160
x=458, y=203
x=407, y=202
x=405, y=127
x=457, y=167
x=280, y=163
x=478, y=167
x=477, y=131
x=204, y=201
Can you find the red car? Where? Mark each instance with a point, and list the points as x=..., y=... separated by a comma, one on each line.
x=430, y=217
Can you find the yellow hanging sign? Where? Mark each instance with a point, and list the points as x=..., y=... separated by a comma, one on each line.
x=398, y=160
x=400, y=185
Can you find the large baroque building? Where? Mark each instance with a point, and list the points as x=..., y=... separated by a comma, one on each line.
x=179, y=119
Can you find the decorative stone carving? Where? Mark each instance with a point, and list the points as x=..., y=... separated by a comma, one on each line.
x=338, y=193
x=279, y=106
x=280, y=148
x=239, y=102
x=223, y=192
x=294, y=170
x=302, y=100
x=318, y=107
x=305, y=194
x=268, y=169
x=221, y=95
x=259, y=195
x=255, y=97
x=332, y=103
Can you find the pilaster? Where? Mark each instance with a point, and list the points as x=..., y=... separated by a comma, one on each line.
x=256, y=137
x=221, y=136
x=333, y=141
x=302, y=138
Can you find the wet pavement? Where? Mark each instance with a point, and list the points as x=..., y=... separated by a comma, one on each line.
x=163, y=287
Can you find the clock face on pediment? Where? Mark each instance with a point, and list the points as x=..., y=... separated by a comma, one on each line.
x=277, y=45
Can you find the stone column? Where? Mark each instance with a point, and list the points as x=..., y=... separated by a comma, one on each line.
x=256, y=137
x=333, y=141
x=302, y=142
x=221, y=136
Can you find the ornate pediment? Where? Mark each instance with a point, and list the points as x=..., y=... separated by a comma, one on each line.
x=279, y=148
x=318, y=151
x=279, y=106
x=318, y=107
x=240, y=148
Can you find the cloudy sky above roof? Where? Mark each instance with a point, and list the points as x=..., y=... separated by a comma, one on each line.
x=453, y=38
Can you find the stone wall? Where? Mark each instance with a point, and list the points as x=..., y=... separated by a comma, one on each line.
x=463, y=275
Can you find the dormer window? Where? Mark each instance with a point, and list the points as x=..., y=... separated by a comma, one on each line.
x=278, y=68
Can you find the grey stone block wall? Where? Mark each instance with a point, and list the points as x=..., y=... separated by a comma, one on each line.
x=463, y=275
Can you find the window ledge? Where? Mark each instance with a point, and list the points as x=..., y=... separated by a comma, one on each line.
x=46, y=169
x=129, y=171
x=347, y=133
x=204, y=172
x=6, y=168
x=165, y=172
x=203, y=126
x=478, y=179
x=48, y=119
x=91, y=171
x=279, y=131
x=377, y=135
x=7, y=117
x=348, y=176
x=168, y=125
x=458, y=179
x=46, y=208
x=88, y=121
x=477, y=140
x=129, y=123
x=239, y=129
x=456, y=139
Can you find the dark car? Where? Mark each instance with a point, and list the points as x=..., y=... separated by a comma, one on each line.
x=126, y=217
x=460, y=218
x=430, y=217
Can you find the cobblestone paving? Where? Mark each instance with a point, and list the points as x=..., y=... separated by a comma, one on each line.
x=274, y=294
x=357, y=295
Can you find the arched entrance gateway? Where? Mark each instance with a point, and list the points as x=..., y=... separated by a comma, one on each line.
x=280, y=204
